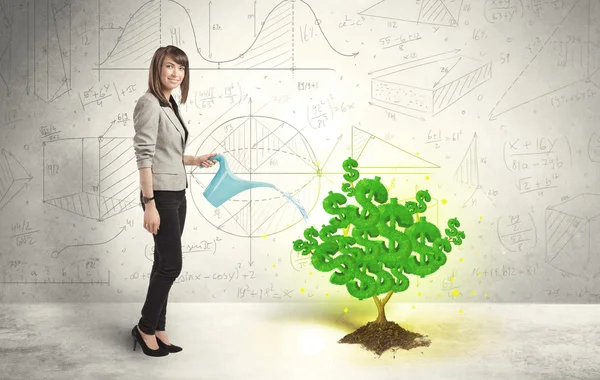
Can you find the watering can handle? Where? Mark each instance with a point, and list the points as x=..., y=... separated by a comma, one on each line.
x=218, y=157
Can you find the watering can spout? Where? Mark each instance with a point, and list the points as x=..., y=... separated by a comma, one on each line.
x=226, y=185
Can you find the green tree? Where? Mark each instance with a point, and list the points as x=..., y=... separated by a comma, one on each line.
x=385, y=245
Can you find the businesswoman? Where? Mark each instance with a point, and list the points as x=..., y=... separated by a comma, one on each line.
x=159, y=143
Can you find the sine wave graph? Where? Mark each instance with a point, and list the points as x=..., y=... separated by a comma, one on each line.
x=276, y=43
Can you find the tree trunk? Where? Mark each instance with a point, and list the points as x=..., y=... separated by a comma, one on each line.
x=381, y=307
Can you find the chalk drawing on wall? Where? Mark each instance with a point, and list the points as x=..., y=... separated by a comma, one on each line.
x=572, y=235
x=274, y=45
x=52, y=49
x=429, y=12
x=82, y=271
x=259, y=148
x=13, y=177
x=468, y=170
x=568, y=56
x=427, y=87
x=594, y=147
x=517, y=232
x=93, y=177
x=137, y=39
x=56, y=253
x=369, y=149
x=5, y=38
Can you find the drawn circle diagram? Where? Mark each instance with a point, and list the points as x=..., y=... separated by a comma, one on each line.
x=258, y=149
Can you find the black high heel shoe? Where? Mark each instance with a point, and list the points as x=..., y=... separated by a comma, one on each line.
x=147, y=350
x=169, y=347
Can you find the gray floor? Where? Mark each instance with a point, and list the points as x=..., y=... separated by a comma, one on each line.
x=299, y=341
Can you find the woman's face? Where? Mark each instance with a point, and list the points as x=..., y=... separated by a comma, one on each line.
x=171, y=74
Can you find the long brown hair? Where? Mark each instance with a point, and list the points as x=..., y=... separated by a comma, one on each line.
x=154, y=83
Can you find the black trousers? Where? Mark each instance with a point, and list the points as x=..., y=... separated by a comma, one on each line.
x=172, y=207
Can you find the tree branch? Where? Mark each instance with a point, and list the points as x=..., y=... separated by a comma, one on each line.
x=387, y=297
x=377, y=301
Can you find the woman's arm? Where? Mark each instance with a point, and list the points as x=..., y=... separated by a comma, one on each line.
x=191, y=160
x=204, y=160
x=146, y=184
x=145, y=123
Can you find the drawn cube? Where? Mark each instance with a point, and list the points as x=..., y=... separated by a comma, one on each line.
x=573, y=235
x=431, y=87
x=92, y=177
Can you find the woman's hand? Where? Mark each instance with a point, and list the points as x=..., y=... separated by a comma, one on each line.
x=151, y=218
x=205, y=160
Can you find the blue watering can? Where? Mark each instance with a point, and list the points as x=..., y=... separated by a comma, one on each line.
x=225, y=185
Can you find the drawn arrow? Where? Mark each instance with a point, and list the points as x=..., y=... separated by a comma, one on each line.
x=109, y=127
x=416, y=60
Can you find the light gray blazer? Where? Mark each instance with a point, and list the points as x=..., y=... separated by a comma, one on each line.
x=159, y=142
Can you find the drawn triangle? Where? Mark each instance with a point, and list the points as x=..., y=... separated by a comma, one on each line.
x=237, y=214
x=391, y=9
x=6, y=177
x=377, y=155
x=595, y=78
x=561, y=61
x=10, y=193
x=440, y=12
x=468, y=170
x=18, y=172
x=434, y=12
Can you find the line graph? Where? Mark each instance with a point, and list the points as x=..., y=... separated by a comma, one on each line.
x=275, y=45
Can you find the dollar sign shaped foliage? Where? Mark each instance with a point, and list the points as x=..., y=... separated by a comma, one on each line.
x=429, y=256
x=370, y=257
x=343, y=242
x=440, y=246
x=310, y=244
x=420, y=205
x=363, y=286
x=349, y=165
x=348, y=189
x=401, y=283
x=351, y=176
x=332, y=203
x=455, y=235
x=346, y=269
x=364, y=262
x=384, y=281
x=344, y=264
x=393, y=216
x=322, y=258
x=367, y=190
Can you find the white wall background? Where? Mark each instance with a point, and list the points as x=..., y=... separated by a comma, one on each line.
x=490, y=105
